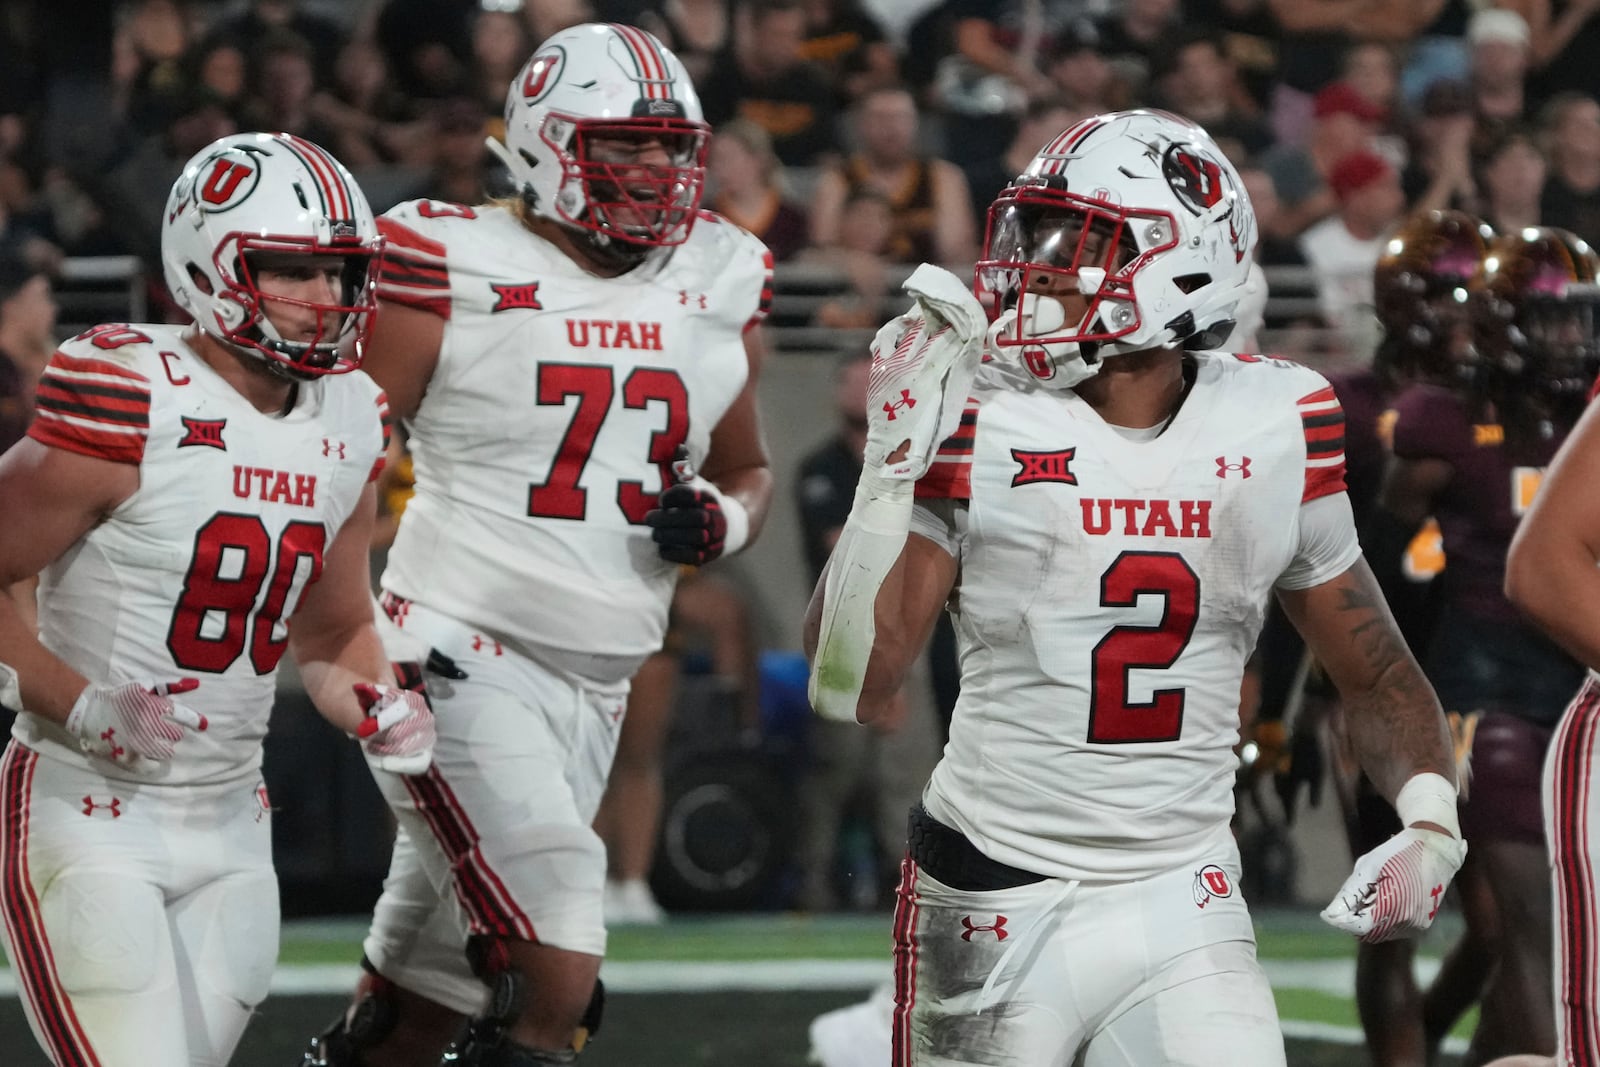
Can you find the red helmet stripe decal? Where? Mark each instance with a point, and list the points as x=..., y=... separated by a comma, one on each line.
x=647, y=59
x=330, y=186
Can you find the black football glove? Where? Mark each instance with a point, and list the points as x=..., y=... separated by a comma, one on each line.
x=688, y=525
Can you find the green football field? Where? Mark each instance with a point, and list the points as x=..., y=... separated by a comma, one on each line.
x=728, y=988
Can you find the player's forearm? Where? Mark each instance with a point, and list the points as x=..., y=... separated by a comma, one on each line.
x=332, y=663
x=48, y=686
x=1397, y=726
x=1557, y=585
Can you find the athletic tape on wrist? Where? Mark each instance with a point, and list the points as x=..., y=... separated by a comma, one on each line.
x=10, y=688
x=1428, y=797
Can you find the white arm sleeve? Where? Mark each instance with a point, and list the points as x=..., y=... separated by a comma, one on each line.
x=1328, y=545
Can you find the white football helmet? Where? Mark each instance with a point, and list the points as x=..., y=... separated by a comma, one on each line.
x=606, y=82
x=254, y=193
x=1139, y=213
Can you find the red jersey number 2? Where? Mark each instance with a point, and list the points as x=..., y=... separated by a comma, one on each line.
x=1113, y=717
x=562, y=495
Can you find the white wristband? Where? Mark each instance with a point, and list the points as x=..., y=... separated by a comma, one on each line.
x=738, y=518
x=1428, y=797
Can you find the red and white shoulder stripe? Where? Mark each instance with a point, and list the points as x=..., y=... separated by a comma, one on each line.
x=413, y=271
x=1322, y=419
x=950, y=477
x=93, y=406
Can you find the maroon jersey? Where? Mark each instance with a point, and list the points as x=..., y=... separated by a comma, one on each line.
x=1488, y=492
x=1364, y=400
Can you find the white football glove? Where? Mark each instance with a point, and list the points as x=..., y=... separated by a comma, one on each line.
x=397, y=734
x=923, y=363
x=133, y=721
x=1397, y=888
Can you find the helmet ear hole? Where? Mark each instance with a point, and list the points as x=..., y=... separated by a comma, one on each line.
x=198, y=277
x=1188, y=283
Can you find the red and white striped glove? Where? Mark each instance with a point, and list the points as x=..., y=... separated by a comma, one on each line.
x=397, y=734
x=132, y=721
x=1397, y=888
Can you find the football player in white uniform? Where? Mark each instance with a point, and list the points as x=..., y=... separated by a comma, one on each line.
x=1106, y=533
x=576, y=366
x=187, y=491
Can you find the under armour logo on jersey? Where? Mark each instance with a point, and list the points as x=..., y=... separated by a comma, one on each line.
x=1043, y=467
x=1211, y=881
x=997, y=928
x=523, y=297
x=111, y=805
x=480, y=642
x=892, y=406
x=1224, y=468
x=331, y=447
x=685, y=298
x=203, y=432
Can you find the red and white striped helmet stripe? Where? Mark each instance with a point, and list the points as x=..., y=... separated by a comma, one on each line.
x=651, y=64
x=330, y=182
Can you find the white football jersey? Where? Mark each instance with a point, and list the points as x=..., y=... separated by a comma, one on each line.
x=1110, y=591
x=551, y=422
x=197, y=573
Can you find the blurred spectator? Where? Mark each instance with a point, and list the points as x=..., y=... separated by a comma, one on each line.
x=1438, y=50
x=220, y=67
x=1312, y=41
x=879, y=770
x=546, y=18
x=500, y=45
x=1372, y=69
x=1499, y=69
x=266, y=18
x=866, y=227
x=696, y=31
x=847, y=42
x=1438, y=173
x=1079, y=75
x=746, y=187
x=369, y=120
x=1250, y=38
x=455, y=140
x=1570, y=124
x=1131, y=38
x=147, y=60
x=27, y=337
x=1565, y=38
x=1194, y=79
x=1343, y=249
x=1343, y=122
x=928, y=196
x=1511, y=180
x=135, y=191
x=281, y=87
x=765, y=78
x=982, y=84
x=1046, y=117
x=428, y=45
x=1273, y=251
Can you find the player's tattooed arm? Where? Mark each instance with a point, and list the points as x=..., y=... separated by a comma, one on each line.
x=1395, y=721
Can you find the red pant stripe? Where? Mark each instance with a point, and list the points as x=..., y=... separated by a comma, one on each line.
x=905, y=963
x=29, y=944
x=1575, y=905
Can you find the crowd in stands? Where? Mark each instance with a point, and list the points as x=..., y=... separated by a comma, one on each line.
x=854, y=134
